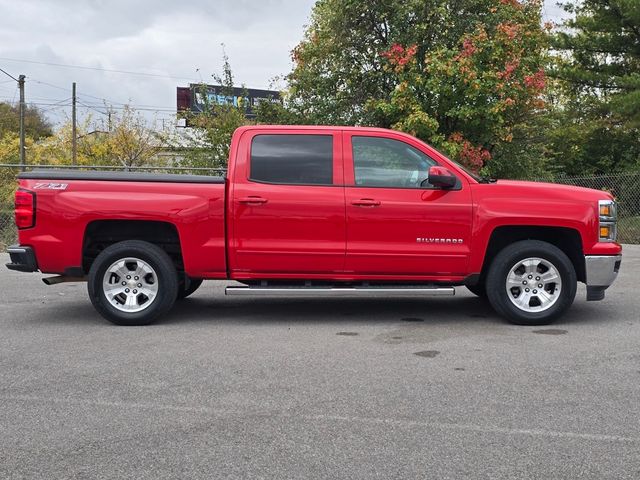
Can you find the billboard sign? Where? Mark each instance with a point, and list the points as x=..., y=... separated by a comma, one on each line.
x=194, y=98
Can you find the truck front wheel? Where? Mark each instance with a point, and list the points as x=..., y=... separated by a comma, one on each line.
x=531, y=283
x=187, y=286
x=132, y=283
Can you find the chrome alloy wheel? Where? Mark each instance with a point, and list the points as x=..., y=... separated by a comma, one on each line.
x=130, y=285
x=533, y=285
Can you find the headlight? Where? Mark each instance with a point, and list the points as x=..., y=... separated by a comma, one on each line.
x=607, y=209
x=607, y=219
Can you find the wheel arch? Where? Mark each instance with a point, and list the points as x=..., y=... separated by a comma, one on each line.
x=566, y=239
x=100, y=234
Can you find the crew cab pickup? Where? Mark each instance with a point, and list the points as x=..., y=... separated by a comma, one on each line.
x=307, y=210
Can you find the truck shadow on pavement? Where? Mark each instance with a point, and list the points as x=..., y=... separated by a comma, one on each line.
x=412, y=311
x=205, y=307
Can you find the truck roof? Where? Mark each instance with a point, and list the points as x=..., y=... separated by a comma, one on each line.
x=316, y=127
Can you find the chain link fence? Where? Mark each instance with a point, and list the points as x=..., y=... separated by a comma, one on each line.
x=624, y=186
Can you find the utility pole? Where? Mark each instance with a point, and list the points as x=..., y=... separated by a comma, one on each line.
x=20, y=81
x=23, y=161
x=74, y=145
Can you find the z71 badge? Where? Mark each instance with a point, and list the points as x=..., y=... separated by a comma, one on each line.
x=51, y=186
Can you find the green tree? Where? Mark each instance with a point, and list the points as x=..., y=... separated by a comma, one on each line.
x=36, y=125
x=465, y=75
x=582, y=137
x=214, y=125
x=602, y=42
x=131, y=141
x=597, y=128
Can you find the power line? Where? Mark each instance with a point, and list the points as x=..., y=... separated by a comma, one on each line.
x=57, y=107
x=9, y=75
x=137, y=108
x=99, y=69
x=56, y=102
x=46, y=101
x=124, y=106
x=48, y=84
x=35, y=103
x=7, y=88
x=66, y=90
x=93, y=108
x=109, y=101
x=49, y=104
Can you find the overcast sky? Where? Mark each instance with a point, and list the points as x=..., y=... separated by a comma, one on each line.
x=161, y=38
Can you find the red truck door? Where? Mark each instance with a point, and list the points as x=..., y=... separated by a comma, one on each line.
x=287, y=204
x=395, y=226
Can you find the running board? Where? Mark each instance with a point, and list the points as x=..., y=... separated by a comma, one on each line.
x=340, y=291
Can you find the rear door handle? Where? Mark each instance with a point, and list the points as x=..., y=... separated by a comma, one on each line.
x=253, y=200
x=366, y=202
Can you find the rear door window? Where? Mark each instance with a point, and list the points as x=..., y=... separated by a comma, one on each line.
x=292, y=159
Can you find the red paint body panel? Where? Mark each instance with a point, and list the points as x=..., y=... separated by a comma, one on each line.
x=62, y=216
x=384, y=238
x=315, y=232
x=298, y=228
x=512, y=203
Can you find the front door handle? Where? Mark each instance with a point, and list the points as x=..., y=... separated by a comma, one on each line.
x=253, y=200
x=366, y=202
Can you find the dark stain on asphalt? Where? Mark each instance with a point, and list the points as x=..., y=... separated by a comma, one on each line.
x=396, y=338
x=347, y=334
x=459, y=369
x=427, y=353
x=550, y=331
x=412, y=319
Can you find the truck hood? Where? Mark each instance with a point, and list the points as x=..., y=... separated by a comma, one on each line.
x=556, y=191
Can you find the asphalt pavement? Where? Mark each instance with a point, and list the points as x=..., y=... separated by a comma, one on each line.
x=228, y=387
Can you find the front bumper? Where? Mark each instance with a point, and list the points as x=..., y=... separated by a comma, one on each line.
x=601, y=271
x=23, y=259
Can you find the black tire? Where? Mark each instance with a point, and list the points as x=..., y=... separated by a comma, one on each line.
x=507, y=259
x=479, y=290
x=188, y=286
x=157, y=259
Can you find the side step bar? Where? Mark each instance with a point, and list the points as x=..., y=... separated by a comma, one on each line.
x=411, y=291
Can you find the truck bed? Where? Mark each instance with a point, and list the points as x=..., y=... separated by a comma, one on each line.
x=118, y=176
x=75, y=211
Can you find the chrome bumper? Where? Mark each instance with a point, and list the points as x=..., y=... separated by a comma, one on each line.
x=601, y=271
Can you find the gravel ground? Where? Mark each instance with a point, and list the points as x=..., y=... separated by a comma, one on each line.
x=438, y=388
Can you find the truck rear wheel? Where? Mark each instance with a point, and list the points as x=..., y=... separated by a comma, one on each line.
x=531, y=283
x=132, y=283
x=478, y=289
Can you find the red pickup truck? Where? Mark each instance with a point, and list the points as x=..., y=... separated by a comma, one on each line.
x=317, y=211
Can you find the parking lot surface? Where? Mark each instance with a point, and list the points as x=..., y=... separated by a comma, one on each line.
x=439, y=388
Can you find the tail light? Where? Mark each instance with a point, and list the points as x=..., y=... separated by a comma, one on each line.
x=25, y=210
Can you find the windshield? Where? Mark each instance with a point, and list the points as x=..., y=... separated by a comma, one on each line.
x=473, y=175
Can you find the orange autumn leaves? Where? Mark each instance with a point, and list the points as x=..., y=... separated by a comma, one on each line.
x=493, y=74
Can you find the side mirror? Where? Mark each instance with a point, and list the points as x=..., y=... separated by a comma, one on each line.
x=441, y=177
